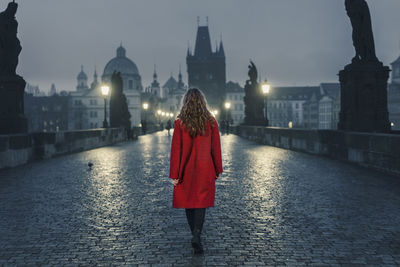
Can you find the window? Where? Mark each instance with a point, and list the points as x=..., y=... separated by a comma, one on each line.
x=397, y=71
x=93, y=114
x=130, y=84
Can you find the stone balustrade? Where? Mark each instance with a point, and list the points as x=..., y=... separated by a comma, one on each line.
x=373, y=150
x=19, y=149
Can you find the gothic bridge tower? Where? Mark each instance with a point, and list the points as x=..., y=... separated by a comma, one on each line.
x=206, y=68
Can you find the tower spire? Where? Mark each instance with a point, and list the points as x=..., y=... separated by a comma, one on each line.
x=95, y=75
x=155, y=73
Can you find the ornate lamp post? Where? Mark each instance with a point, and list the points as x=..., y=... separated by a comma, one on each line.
x=105, y=90
x=266, y=87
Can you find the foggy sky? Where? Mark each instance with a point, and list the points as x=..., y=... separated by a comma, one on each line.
x=292, y=42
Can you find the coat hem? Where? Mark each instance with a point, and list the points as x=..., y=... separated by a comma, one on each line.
x=195, y=207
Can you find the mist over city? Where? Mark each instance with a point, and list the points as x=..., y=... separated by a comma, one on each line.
x=292, y=42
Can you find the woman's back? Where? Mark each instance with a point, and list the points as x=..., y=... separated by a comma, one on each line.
x=196, y=161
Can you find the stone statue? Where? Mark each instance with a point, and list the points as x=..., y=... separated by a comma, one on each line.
x=253, y=99
x=363, y=83
x=10, y=47
x=363, y=39
x=12, y=86
x=253, y=74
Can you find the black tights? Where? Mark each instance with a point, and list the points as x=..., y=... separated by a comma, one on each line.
x=195, y=218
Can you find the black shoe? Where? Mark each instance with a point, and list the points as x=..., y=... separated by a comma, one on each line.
x=196, y=243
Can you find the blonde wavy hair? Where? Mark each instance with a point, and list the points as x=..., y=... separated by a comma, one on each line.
x=194, y=113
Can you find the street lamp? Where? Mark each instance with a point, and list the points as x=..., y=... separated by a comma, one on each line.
x=266, y=87
x=105, y=89
x=215, y=112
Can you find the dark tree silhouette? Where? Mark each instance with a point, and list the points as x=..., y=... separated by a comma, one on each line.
x=119, y=113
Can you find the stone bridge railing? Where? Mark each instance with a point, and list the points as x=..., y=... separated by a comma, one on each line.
x=377, y=151
x=19, y=149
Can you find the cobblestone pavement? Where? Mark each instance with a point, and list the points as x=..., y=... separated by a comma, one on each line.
x=273, y=207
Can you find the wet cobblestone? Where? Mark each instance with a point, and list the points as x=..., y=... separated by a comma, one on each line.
x=273, y=207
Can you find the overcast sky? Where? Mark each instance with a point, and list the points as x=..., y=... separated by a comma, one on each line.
x=302, y=42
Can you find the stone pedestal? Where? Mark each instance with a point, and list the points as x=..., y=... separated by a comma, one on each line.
x=254, y=105
x=12, y=118
x=364, y=97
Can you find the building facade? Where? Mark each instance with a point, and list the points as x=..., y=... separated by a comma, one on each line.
x=87, y=102
x=172, y=92
x=285, y=105
x=234, y=95
x=47, y=113
x=394, y=96
x=206, y=68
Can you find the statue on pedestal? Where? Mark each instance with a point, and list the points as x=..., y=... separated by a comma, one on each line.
x=12, y=86
x=363, y=83
x=253, y=99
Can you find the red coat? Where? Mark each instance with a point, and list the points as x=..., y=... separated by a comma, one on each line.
x=196, y=162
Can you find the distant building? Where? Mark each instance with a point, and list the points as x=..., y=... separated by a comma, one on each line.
x=285, y=105
x=33, y=90
x=329, y=106
x=132, y=82
x=53, y=90
x=394, y=96
x=154, y=88
x=235, y=94
x=206, y=69
x=312, y=107
x=86, y=104
x=172, y=93
x=47, y=113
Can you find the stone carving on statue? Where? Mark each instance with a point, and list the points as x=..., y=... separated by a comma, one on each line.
x=10, y=47
x=363, y=39
x=253, y=99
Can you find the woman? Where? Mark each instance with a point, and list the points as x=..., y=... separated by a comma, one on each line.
x=195, y=161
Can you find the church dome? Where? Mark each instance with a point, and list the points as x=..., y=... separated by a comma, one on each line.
x=121, y=64
x=82, y=75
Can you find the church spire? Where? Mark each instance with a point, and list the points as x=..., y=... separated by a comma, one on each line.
x=95, y=82
x=95, y=75
x=180, y=74
x=155, y=73
x=221, y=51
x=180, y=82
